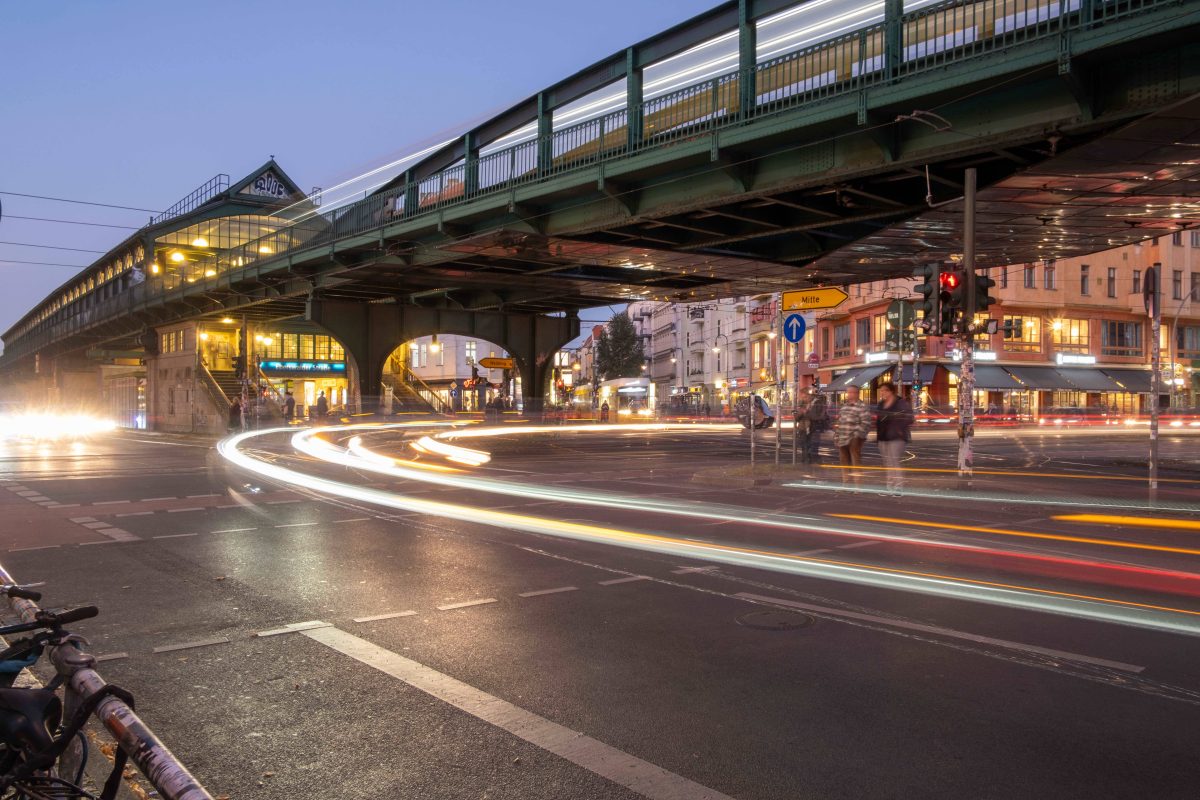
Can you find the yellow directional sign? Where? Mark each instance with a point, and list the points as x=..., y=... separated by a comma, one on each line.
x=807, y=299
x=497, y=363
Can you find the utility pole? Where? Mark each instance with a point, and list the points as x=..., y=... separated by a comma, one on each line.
x=1152, y=295
x=966, y=383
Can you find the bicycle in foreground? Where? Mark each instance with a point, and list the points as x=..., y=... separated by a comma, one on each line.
x=35, y=729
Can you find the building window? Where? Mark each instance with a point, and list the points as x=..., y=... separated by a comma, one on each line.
x=879, y=324
x=307, y=350
x=1195, y=238
x=1187, y=342
x=1194, y=289
x=1048, y=276
x=1112, y=282
x=1030, y=340
x=469, y=351
x=1177, y=284
x=982, y=341
x=756, y=357
x=1029, y=277
x=825, y=343
x=1177, y=238
x=1069, y=335
x=1085, y=275
x=841, y=340
x=1003, y=278
x=291, y=345
x=863, y=333
x=1120, y=338
x=1137, y=281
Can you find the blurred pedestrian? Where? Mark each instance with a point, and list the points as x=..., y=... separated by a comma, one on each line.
x=893, y=430
x=811, y=419
x=289, y=407
x=235, y=415
x=322, y=405
x=604, y=411
x=849, y=433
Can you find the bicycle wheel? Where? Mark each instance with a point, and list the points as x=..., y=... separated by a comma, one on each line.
x=47, y=788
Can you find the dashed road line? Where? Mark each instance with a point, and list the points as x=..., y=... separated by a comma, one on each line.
x=170, y=648
x=627, y=770
x=194, y=496
x=296, y=524
x=82, y=520
x=281, y=502
x=181, y=510
x=687, y=570
x=173, y=535
x=153, y=499
x=109, y=502
x=392, y=615
x=630, y=579
x=135, y=513
x=235, y=530
x=295, y=627
x=467, y=604
x=118, y=534
x=39, y=547
x=541, y=592
x=94, y=525
x=356, y=519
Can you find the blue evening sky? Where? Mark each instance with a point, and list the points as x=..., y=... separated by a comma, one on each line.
x=136, y=103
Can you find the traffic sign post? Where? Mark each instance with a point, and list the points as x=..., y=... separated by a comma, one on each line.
x=497, y=363
x=1152, y=296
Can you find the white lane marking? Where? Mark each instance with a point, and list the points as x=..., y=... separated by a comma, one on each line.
x=193, y=496
x=630, y=579
x=356, y=519
x=109, y=502
x=67, y=505
x=27, y=492
x=181, y=510
x=295, y=627
x=83, y=519
x=686, y=570
x=281, y=502
x=236, y=530
x=948, y=632
x=153, y=499
x=112, y=656
x=231, y=505
x=95, y=525
x=173, y=535
x=541, y=592
x=168, y=648
x=135, y=513
x=852, y=545
x=633, y=773
x=102, y=541
x=118, y=535
x=41, y=547
x=392, y=615
x=296, y=524
x=482, y=602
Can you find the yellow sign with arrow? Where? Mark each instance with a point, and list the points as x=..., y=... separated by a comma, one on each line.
x=809, y=299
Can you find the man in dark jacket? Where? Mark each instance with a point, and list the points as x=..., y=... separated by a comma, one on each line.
x=893, y=424
x=811, y=419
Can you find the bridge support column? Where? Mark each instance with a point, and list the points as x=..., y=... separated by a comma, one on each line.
x=893, y=44
x=371, y=331
x=471, y=162
x=545, y=126
x=633, y=100
x=747, y=60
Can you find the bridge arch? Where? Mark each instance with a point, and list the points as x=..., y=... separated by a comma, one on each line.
x=371, y=332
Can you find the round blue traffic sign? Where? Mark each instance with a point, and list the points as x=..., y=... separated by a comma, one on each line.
x=794, y=327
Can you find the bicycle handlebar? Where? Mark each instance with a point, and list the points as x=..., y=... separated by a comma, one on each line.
x=65, y=617
x=21, y=592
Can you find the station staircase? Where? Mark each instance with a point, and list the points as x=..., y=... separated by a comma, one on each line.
x=410, y=394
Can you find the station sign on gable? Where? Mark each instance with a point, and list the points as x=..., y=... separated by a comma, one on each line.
x=267, y=185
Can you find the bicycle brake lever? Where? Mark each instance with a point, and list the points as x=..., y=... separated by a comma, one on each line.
x=77, y=658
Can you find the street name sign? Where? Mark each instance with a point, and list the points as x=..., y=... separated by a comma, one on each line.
x=808, y=299
x=497, y=363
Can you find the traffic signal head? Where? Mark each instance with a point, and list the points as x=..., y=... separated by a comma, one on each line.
x=928, y=289
x=982, y=299
x=953, y=284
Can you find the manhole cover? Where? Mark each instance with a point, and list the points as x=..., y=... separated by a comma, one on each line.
x=774, y=620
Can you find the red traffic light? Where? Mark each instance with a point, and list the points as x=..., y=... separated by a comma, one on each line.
x=949, y=280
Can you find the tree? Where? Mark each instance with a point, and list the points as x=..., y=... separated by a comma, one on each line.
x=619, y=349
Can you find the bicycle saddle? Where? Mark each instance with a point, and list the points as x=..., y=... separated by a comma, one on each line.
x=28, y=717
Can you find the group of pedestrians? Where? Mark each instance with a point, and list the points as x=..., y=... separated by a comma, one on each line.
x=241, y=406
x=891, y=418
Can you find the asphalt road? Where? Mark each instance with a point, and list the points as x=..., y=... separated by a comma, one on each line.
x=591, y=622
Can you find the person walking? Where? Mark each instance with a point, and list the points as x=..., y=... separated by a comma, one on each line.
x=289, y=408
x=893, y=428
x=235, y=415
x=811, y=419
x=322, y=405
x=849, y=434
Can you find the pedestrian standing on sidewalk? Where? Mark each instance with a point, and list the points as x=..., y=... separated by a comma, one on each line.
x=849, y=434
x=893, y=430
x=811, y=420
x=235, y=415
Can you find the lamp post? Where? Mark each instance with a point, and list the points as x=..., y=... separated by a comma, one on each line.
x=716, y=349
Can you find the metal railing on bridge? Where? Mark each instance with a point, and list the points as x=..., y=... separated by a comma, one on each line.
x=919, y=41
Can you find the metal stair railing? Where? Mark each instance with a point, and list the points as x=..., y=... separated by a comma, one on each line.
x=214, y=389
x=421, y=388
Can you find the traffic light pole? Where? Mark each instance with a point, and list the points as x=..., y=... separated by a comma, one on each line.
x=1153, y=295
x=966, y=383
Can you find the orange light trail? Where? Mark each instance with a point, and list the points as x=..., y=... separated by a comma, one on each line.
x=1023, y=534
x=1016, y=474
x=1143, y=522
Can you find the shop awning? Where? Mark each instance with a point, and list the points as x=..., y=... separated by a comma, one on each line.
x=1131, y=380
x=1089, y=379
x=927, y=371
x=858, y=376
x=1039, y=378
x=989, y=376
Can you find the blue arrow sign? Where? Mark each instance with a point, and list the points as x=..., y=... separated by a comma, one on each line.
x=793, y=328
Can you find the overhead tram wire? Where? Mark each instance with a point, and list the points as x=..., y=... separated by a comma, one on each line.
x=6, y=262
x=73, y=222
x=53, y=247
x=79, y=202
